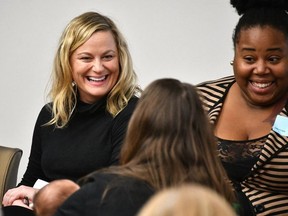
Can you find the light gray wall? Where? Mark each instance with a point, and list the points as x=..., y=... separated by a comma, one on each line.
x=185, y=39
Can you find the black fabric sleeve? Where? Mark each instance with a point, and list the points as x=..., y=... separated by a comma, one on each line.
x=125, y=200
x=16, y=211
x=75, y=205
x=119, y=130
x=34, y=170
x=86, y=200
x=107, y=195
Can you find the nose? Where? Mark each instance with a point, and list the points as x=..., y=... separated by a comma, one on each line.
x=97, y=66
x=261, y=67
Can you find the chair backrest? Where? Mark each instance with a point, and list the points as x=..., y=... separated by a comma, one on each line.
x=9, y=164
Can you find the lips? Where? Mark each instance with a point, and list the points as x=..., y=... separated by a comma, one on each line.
x=97, y=79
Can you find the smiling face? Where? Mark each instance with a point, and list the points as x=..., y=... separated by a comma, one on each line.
x=261, y=65
x=95, y=66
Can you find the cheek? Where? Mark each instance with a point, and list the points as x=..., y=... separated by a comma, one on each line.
x=74, y=71
x=114, y=68
x=241, y=70
x=281, y=71
x=79, y=69
x=75, y=75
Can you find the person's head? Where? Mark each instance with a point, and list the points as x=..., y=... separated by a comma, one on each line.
x=260, y=42
x=50, y=197
x=92, y=62
x=169, y=138
x=187, y=200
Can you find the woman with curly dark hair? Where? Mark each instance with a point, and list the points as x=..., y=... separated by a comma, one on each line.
x=250, y=109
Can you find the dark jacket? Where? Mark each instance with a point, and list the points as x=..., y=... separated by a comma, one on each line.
x=109, y=195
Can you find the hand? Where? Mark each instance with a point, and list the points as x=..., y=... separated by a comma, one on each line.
x=21, y=203
x=18, y=193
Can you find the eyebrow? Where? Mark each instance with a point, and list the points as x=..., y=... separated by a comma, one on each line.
x=269, y=49
x=108, y=51
x=88, y=53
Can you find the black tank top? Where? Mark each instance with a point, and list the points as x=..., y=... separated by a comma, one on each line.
x=238, y=157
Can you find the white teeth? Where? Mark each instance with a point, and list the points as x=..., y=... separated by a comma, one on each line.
x=94, y=79
x=261, y=85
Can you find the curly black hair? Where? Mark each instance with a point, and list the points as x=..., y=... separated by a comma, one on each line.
x=242, y=6
x=261, y=13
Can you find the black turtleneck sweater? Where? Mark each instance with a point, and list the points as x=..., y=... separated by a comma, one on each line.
x=91, y=140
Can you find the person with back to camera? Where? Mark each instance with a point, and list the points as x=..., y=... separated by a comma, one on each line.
x=94, y=91
x=187, y=200
x=249, y=109
x=168, y=142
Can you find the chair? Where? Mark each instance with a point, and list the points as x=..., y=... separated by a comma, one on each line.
x=9, y=164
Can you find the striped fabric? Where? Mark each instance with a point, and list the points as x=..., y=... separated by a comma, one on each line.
x=267, y=185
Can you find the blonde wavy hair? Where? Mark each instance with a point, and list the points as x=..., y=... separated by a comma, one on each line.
x=63, y=94
x=187, y=200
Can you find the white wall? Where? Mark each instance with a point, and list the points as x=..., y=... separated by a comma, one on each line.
x=185, y=39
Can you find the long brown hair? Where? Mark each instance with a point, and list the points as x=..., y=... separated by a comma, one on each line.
x=170, y=141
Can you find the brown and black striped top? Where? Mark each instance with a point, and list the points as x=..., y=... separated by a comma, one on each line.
x=266, y=186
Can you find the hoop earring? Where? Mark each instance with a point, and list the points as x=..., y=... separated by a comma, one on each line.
x=231, y=62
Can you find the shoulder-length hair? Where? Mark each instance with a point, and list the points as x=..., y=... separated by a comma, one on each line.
x=62, y=93
x=169, y=140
